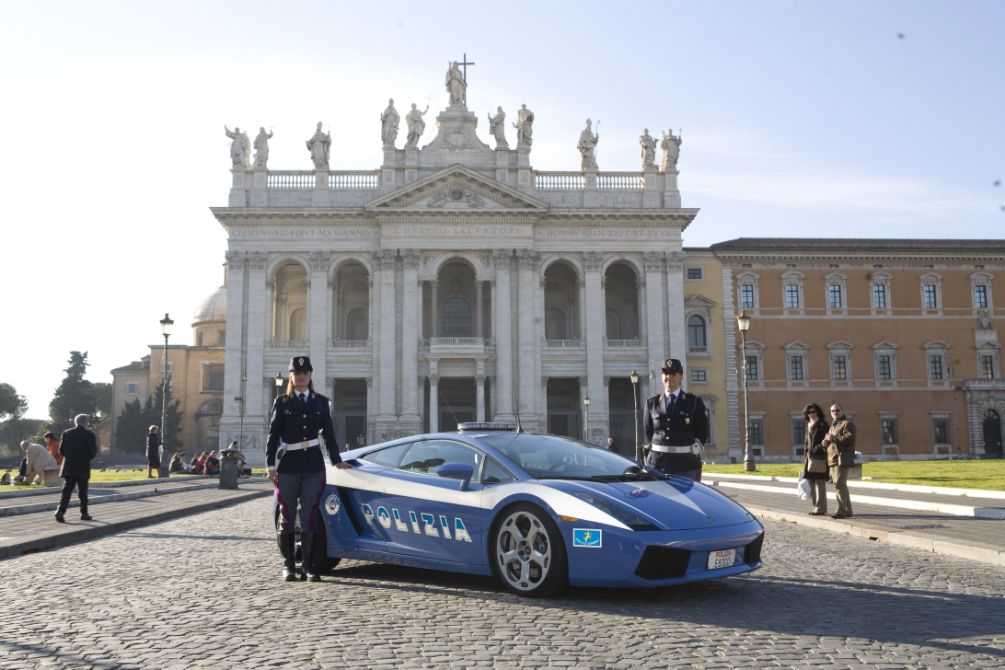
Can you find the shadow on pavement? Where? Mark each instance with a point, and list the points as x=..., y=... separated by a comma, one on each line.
x=70, y=660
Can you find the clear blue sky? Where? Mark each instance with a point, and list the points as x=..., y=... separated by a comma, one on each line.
x=799, y=119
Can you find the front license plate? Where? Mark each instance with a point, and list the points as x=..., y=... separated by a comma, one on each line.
x=722, y=558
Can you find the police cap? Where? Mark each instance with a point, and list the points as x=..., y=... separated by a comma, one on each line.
x=672, y=366
x=301, y=364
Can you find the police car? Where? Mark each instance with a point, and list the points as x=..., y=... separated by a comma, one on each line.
x=538, y=511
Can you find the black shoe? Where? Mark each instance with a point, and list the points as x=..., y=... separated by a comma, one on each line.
x=86, y=517
x=839, y=516
x=816, y=513
x=289, y=576
x=59, y=518
x=313, y=577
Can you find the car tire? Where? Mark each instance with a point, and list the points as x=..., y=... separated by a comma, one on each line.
x=528, y=553
x=322, y=562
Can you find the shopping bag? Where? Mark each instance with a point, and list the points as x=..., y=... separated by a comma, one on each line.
x=803, y=488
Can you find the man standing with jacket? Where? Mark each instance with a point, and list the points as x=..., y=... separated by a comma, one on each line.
x=78, y=447
x=840, y=443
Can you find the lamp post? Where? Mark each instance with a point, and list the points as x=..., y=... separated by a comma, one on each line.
x=586, y=417
x=279, y=383
x=743, y=324
x=635, y=396
x=166, y=324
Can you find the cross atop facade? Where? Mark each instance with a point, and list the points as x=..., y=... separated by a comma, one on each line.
x=464, y=67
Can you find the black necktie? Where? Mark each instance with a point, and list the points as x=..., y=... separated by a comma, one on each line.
x=671, y=401
x=303, y=399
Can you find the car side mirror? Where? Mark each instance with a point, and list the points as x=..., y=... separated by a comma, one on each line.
x=461, y=471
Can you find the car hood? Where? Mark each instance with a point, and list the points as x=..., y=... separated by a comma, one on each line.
x=675, y=504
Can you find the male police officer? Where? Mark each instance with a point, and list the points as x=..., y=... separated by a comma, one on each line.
x=296, y=466
x=676, y=425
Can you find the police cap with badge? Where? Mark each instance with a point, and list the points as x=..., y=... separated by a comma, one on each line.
x=672, y=366
x=301, y=364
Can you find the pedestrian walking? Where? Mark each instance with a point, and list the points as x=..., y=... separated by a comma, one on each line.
x=815, y=457
x=840, y=443
x=301, y=425
x=153, y=452
x=78, y=447
x=676, y=426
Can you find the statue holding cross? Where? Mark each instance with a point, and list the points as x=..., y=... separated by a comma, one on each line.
x=456, y=86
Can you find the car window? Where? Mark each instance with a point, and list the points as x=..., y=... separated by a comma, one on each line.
x=495, y=473
x=428, y=455
x=389, y=456
x=551, y=456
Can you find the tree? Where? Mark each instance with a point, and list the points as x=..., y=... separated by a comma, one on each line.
x=12, y=405
x=74, y=395
x=131, y=428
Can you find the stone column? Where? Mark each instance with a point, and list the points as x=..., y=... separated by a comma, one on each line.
x=410, y=335
x=317, y=314
x=595, y=336
x=654, y=308
x=235, y=347
x=527, y=262
x=256, y=405
x=503, y=335
x=434, y=320
x=479, y=390
x=478, y=308
x=675, y=309
x=387, y=378
x=434, y=406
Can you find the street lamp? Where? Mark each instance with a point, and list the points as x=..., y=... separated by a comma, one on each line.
x=279, y=382
x=635, y=396
x=586, y=417
x=166, y=324
x=743, y=324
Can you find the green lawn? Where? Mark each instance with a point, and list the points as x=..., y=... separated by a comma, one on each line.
x=967, y=474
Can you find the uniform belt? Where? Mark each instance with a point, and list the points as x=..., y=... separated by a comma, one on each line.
x=306, y=444
x=672, y=450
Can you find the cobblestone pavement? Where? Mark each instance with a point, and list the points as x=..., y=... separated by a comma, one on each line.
x=205, y=592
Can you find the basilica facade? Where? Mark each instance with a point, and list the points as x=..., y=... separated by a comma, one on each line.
x=455, y=282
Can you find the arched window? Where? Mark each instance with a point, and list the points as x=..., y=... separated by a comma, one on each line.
x=356, y=327
x=697, y=339
x=455, y=320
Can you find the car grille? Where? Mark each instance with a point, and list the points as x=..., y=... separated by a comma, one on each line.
x=663, y=563
x=752, y=554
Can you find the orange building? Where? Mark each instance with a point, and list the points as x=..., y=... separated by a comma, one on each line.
x=902, y=333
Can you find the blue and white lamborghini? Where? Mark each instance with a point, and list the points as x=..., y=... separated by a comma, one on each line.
x=539, y=511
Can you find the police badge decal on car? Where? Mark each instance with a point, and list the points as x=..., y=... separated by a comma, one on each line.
x=332, y=504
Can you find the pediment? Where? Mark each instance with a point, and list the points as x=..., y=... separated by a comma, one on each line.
x=456, y=188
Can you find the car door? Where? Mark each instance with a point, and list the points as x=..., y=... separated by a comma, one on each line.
x=428, y=516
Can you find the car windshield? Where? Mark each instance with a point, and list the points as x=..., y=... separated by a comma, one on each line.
x=554, y=457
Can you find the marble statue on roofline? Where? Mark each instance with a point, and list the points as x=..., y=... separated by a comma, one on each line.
x=647, y=145
x=416, y=126
x=669, y=151
x=262, y=148
x=240, y=146
x=497, y=126
x=389, y=121
x=524, y=127
x=587, y=146
x=456, y=86
x=319, y=145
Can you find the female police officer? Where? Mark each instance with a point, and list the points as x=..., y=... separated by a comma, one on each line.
x=296, y=466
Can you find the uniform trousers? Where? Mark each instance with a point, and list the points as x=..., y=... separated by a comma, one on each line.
x=839, y=476
x=64, y=498
x=305, y=488
x=818, y=494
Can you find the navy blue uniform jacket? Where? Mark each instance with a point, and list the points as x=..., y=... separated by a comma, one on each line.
x=689, y=421
x=293, y=422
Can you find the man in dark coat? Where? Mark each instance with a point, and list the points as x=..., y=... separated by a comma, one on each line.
x=78, y=447
x=676, y=425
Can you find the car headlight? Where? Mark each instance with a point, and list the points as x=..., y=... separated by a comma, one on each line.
x=625, y=516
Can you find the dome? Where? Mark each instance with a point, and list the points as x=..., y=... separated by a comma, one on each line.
x=212, y=309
